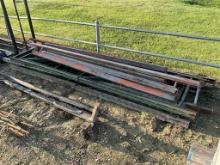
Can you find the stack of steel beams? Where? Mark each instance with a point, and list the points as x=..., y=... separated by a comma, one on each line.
x=138, y=86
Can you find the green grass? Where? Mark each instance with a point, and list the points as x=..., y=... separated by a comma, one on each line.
x=198, y=17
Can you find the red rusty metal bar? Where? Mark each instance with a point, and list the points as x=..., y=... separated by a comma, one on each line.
x=107, y=57
x=178, y=79
x=140, y=80
x=115, y=67
x=82, y=67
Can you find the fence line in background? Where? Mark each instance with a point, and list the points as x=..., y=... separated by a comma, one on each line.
x=125, y=28
x=98, y=43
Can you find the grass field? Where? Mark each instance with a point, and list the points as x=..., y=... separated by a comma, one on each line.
x=198, y=17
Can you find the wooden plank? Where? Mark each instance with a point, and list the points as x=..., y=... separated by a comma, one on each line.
x=199, y=155
x=216, y=159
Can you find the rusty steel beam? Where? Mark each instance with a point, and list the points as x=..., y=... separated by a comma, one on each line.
x=130, y=77
x=180, y=80
x=82, y=67
x=107, y=97
x=108, y=57
x=149, y=102
x=69, y=109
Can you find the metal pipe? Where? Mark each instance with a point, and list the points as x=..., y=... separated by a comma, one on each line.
x=162, y=33
x=197, y=95
x=97, y=36
x=9, y=28
x=29, y=19
x=19, y=21
x=59, y=38
x=168, y=57
x=57, y=21
x=186, y=91
x=174, y=34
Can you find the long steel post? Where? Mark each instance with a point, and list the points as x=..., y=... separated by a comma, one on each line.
x=197, y=95
x=97, y=36
x=19, y=20
x=29, y=19
x=8, y=26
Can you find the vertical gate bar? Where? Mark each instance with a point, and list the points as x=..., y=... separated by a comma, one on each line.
x=9, y=28
x=97, y=36
x=197, y=95
x=19, y=21
x=186, y=91
x=29, y=19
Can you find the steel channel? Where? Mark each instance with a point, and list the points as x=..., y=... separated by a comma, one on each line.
x=193, y=76
x=109, y=98
x=119, y=60
x=74, y=111
x=82, y=67
x=115, y=67
x=179, y=79
x=107, y=57
x=183, y=98
x=197, y=95
x=60, y=98
x=130, y=77
x=121, y=93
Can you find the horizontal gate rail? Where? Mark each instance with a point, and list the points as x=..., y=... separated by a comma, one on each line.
x=124, y=28
x=99, y=45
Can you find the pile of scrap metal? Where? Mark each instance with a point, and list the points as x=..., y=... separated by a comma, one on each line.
x=137, y=86
x=141, y=87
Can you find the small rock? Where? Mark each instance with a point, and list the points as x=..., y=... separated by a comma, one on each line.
x=61, y=146
x=122, y=131
x=144, y=150
x=57, y=92
x=154, y=124
x=35, y=149
x=125, y=144
x=17, y=93
x=72, y=97
x=188, y=135
x=139, y=139
x=167, y=130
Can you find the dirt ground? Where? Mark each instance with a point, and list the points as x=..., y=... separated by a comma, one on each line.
x=121, y=137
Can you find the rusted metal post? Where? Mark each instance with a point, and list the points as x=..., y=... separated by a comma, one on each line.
x=8, y=26
x=29, y=19
x=97, y=36
x=197, y=95
x=19, y=21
